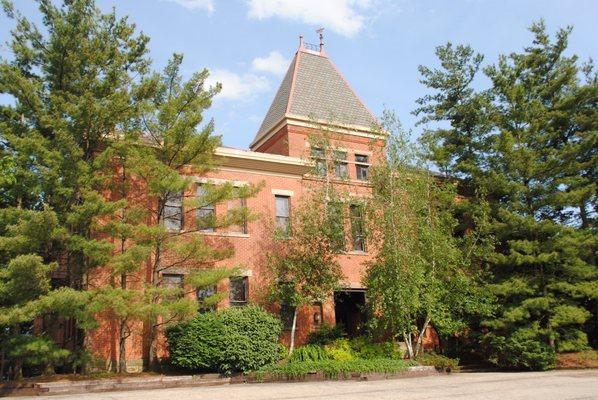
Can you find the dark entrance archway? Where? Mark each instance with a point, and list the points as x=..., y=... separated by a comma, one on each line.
x=349, y=308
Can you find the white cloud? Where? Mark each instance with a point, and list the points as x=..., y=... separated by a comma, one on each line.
x=274, y=63
x=345, y=17
x=237, y=86
x=205, y=5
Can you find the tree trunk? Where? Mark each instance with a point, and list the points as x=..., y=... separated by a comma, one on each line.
x=17, y=368
x=420, y=338
x=293, y=330
x=409, y=345
x=123, y=331
x=122, y=348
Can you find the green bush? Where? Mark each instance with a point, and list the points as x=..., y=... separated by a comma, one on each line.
x=572, y=340
x=366, y=349
x=335, y=368
x=340, y=350
x=523, y=349
x=441, y=362
x=362, y=348
x=326, y=334
x=234, y=339
x=309, y=352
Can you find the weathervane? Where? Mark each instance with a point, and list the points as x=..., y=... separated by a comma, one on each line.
x=320, y=31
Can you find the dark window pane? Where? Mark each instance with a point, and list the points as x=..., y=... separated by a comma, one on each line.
x=362, y=172
x=206, y=213
x=172, y=280
x=317, y=152
x=286, y=316
x=238, y=291
x=357, y=228
x=361, y=169
x=340, y=155
x=320, y=167
x=283, y=213
x=341, y=170
x=242, y=226
x=202, y=295
x=335, y=215
x=173, y=212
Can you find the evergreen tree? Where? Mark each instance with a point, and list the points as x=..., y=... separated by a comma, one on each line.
x=70, y=81
x=535, y=180
x=174, y=148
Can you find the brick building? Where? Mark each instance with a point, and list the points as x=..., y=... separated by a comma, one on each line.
x=313, y=96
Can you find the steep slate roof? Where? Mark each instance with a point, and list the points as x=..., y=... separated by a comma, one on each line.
x=314, y=88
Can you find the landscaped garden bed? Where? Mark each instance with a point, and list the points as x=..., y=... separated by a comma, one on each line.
x=330, y=369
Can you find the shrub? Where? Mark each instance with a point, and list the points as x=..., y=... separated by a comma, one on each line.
x=441, y=362
x=362, y=348
x=523, y=349
x=234, y=339
x=572, y=340
x=326, y=334
x=309, y=352
x=335, y=368
x=340, y=350
x=366, y=349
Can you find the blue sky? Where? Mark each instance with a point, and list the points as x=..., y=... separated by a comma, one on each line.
x=377, y=44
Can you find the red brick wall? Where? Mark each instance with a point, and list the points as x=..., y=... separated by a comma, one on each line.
x=249, y=248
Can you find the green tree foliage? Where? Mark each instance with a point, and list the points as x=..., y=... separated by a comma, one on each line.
x=531, y=188
x=70, y=81
x=235, y=339
x=176, y=145
x=93, y=150
x=419, y=275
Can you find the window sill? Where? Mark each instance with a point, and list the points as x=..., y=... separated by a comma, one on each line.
x=356, y=253
x=224, y=234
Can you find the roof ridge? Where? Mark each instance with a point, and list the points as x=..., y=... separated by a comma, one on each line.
x=293, y=79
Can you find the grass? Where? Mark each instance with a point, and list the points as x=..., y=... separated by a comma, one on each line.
x=335, y=368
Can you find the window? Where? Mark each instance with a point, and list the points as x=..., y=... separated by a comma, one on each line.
x=203, y=294
x=286, y=316
x=357, y=228
x=238, y=204
x=172, y=281
x=361, y=167
x=206, y=212
x=335, y=217
x=283, y=214
x=319, y=158
x=173, y=212
x=341, y=168
x=238, y=291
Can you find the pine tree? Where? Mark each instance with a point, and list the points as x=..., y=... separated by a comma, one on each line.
x=174, y=148
x=534, y=183
x=70, y=81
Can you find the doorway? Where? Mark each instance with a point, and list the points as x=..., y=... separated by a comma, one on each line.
x=350, y=311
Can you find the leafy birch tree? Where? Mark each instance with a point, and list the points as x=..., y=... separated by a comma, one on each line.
x=419, y=276
x=302, y=260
